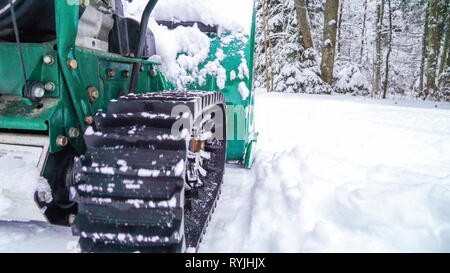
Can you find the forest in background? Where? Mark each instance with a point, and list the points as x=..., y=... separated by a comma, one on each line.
x=377, y=48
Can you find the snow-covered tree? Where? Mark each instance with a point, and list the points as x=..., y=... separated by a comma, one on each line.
x=291, y=68
x=361, y=57
x=329, y=40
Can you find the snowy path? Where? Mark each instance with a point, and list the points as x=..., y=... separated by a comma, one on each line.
x=339, y=174
x=34, y=237
x=331, y=174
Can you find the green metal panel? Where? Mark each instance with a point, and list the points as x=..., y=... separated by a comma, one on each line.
x=69, y=105
x=239, y=51
x=17, y=113
x=10, y=68
x=92, y=68
x=250, y=118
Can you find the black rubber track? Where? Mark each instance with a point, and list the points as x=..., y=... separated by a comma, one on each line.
x=130, y=184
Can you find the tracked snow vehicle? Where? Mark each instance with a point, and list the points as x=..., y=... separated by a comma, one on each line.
x=131, y=162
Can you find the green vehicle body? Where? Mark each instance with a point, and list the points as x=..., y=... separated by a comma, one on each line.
x=67, y=107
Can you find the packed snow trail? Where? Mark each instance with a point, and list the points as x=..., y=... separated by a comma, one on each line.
x=332, y=173
x=35, y=237
x=339, y=174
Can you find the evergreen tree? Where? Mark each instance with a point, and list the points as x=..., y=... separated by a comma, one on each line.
x=416, y=54
x=294, y=69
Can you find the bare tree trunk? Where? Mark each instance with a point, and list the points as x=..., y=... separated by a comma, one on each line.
x=445, y=50
x=379, y=52
x=386, y=74
x=303, y=23
x=432, y=47
x=329, y=40
x=448, y=52
x=424, y=54
x=339, y=26
x=443, y=17
x=267, y=48
x=363, y=34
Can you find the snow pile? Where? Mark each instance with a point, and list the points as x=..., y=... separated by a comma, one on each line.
x=350, y=79
x=293, y=79
x=339, y=174
x=181, y=51
x=213, y=68
x=18, y=182
x=230, y=15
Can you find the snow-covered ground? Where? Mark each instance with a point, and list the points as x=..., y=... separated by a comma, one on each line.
x=32, y=237
x=332, y=173
x=339, y=174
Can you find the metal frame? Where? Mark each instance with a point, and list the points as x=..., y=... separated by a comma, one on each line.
x=40, y=141
x=75, y=70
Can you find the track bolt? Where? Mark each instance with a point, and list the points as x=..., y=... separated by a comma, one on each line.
x=72, y=218
x=111, y=73
x=74, y=132
x=153, y=73
x=196, y=145
x=93, y=94
x=126, y=74
x=49, y=87
x=61, y=141
x=72, y=63
x=89, y=120
x=48, y=59
x=42, y=197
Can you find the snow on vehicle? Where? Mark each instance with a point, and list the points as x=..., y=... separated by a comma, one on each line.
x=130, y=157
